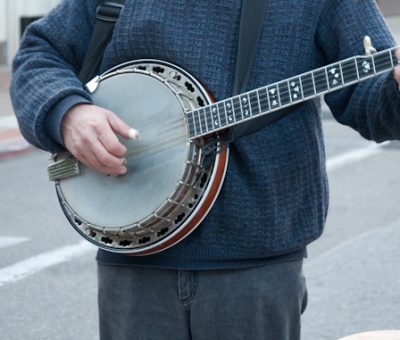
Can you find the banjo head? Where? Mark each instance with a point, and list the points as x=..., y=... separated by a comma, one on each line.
x=165, y=182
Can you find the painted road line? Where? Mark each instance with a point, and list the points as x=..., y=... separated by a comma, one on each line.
x=353, y=156
x=11, y=241
x=35, y=264
x=348, y=243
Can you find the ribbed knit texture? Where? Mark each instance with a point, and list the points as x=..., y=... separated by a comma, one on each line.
x=275, y=197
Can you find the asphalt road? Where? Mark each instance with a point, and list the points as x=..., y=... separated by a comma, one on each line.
x=353, y=272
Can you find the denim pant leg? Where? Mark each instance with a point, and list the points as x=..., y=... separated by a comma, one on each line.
x=254, y=303
x=140, y=304
x=249, y=304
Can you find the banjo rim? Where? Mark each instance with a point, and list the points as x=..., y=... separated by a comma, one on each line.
x=208, y=196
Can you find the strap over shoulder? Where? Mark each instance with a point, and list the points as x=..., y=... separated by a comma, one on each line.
x=107, y=14
x=251, y=25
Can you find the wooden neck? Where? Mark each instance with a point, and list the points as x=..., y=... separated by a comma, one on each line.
x=267, y=99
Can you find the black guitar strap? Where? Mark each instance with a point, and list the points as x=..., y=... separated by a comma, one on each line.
x=107, y=14
x=251, y=24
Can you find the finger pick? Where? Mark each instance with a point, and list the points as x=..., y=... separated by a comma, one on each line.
x=134, y=134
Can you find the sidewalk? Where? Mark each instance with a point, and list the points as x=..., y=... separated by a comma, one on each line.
x=11, y=140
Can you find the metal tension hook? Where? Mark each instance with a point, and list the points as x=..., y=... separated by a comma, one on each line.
x=369, y=49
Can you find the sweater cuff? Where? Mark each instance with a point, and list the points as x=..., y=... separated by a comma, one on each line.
x=52, y=123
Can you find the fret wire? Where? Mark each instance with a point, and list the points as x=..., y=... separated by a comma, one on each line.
x=204, y=108
x=327, y=77
x=241, y=107
x=258, y=100
x=279, y=96
x=301, y=88
x=341, y=72
x=269, y=99
x=197, y=121
x=194, y=123
x=358, y=72
x=205, y=118
x=373, y=63
x=233, y=111
x=201, y=125
x=207, y=113
x=218, y=115
x=290, y=92
x=313, y=78
x=204, y=115
x=249, y=105
x=226, y=113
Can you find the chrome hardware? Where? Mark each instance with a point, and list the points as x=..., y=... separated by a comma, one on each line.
x=92, y=84
x=63, y=168
x=369, y=49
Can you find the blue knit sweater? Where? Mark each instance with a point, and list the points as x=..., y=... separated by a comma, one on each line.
x=275, y=197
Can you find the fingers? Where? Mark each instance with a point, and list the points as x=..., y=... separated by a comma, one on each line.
x=118, y=126
x=110, y=142
x=106, y=162
x=93, y=154
x=89, y=133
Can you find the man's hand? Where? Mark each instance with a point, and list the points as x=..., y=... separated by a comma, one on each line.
x=89, y=133
x=397, y=70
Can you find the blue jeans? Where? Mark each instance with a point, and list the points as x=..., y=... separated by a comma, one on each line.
x=263, y=302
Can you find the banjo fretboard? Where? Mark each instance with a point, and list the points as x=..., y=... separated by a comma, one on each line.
x=249, y=105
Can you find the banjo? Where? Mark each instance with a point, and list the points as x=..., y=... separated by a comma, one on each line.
x=177, y=168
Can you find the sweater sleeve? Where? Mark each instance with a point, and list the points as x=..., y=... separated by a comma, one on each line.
x=371, y=107
x=44, y=83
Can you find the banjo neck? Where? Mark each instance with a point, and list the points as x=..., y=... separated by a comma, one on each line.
x=291, y=91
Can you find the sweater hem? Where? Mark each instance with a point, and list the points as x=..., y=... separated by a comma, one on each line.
x=170, y=262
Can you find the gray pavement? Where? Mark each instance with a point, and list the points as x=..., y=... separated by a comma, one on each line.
x=353, y=272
